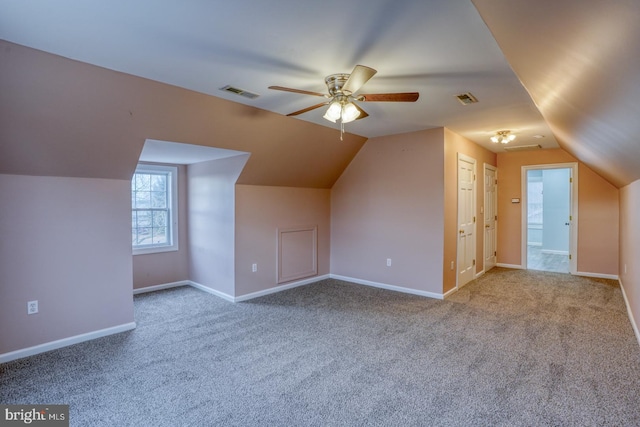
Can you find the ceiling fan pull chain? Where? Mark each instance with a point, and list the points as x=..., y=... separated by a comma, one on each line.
x=341, y=129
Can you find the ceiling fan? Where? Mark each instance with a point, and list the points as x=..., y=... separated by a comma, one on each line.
x=342, y=96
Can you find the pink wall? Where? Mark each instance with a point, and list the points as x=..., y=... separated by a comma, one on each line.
x=66, y=242
x=211, y=216
x=389, y=204
x=598, y=212
x=630, y=245
x=66, y=118
x=260, y=212
x=167, y=267
x=455, y=144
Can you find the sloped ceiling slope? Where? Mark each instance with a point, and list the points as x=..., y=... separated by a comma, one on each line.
x=60, y=117
x=579, y=60
x=439, y=48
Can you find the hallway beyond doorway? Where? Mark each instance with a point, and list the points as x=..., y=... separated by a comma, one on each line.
x=537, y=260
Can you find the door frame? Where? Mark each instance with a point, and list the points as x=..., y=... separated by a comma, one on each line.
x=473, y=161
x=484, y=211
x=573, y=203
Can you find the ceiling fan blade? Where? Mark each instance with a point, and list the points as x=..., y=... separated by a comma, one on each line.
x=304, y=110
x=390, y=97
x=359, y=76
x=363, y=113
x=304, y=92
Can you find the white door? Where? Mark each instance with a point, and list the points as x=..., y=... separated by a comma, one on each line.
x=490, y=217
x=466, y=219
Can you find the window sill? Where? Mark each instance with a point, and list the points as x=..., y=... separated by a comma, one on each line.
x=156, y=250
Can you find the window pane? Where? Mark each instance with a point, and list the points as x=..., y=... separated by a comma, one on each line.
x=159, y=219
x=143, y=182
x=160, y=235
x=158, y=183
x=143, y=199
x=144, y=236
x=144, y=219
x=158, y=199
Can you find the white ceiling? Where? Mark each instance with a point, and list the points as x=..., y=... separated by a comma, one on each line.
x=438, y=48
x=156, y=151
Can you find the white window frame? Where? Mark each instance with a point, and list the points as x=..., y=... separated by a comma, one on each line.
x=173, y=210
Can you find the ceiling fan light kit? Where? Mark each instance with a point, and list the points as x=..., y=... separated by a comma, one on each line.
x=503, y=137
x=342, y=89
x=343, y=110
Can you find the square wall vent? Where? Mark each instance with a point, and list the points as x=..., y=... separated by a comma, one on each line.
x=467, y=98
x=238, y=91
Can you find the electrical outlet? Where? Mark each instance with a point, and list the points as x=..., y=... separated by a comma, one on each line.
x=254, y=267
x=32, y=307
x=452, y=267
x=388, y=262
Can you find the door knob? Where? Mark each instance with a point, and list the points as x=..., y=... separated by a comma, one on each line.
x=461, y=232
x=487, y=226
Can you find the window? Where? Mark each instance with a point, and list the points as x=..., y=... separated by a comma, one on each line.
x=154, y=221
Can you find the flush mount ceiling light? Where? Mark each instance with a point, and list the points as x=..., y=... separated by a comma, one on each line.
x=503, y=137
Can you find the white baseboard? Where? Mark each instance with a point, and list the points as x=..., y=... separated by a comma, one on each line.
x=630, y=312
x=554, y=252
x=517, y=267
x=597, y=275
x=280, y=288
x=212, y=291
x=53, y=345
x=257, y=294
x=388, y=287
x=449, y=292
x=160, y=287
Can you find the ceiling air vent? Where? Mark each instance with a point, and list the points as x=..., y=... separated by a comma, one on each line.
x=240, y=92
x=466, y=98
x=523, y=147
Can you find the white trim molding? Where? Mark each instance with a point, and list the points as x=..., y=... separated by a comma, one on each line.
x=388, y=287
x=65, y=342
x=449, y=292
x=257, y=294
x=208, y=290
x=146, y=289
x=597, y=275
x=515, y=266
x=291, y=285
x=554, y=252
x=630, y=313
x=280, y=288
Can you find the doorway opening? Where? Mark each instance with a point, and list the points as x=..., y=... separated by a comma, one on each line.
x=548, y=216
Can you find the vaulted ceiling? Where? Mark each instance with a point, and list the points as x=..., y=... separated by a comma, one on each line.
x=580, y=62
x=565, y=70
